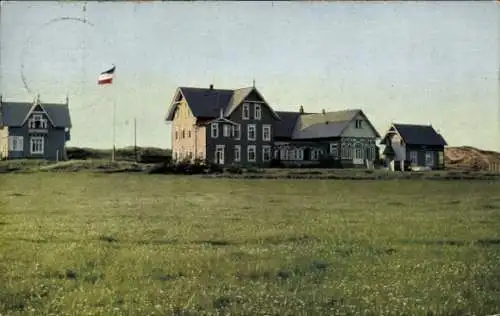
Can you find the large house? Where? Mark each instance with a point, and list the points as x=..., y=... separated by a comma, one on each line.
x=420, y=145
x=240, y=127
x=34, y=129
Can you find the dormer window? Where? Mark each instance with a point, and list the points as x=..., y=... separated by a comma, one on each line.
x=215, y=130
x=245, y=113
x=37, y=121
x=227, y=130
x=258, y=112
x=359, y=123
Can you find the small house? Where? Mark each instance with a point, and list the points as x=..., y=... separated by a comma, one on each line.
x=34, y=130
x=418, y=145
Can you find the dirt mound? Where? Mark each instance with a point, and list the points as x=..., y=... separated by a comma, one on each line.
x=471, y=158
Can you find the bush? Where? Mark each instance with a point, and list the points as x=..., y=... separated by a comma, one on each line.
x=235, y=170
x=276, y=163
x=329, y=162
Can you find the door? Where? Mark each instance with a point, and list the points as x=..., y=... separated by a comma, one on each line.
x=219, y=154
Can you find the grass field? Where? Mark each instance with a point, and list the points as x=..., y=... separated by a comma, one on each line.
x=137, y=244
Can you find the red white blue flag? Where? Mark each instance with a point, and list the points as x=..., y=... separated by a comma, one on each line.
x=106, y=77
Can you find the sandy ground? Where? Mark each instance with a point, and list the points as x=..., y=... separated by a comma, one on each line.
x=471, y=158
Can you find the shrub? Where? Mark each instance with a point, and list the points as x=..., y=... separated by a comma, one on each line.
x=276, y=163
x=235, y=170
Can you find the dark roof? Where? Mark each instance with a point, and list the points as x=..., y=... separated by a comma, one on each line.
x=14, y=113
x=419, y=135
x=206, y=102
x=284, y=127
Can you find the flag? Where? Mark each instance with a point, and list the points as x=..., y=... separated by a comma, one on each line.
x=106, y=77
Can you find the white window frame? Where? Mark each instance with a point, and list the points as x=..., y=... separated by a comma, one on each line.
x=359, y=123
x=334, y=150
x=315, y=154
x=37, y=118
x=350, y=151
x=254, y=149
x=254, y=138
x=266, y=127
x=267, y=149
x=283, y=154
x=429, y=158
x=214, y=130
x=220, y=148
x=237, y=131
x=358, y=151
x=257, y=110
x=33, y=141
x=245, y=111
x=414, y=157
x=15, y=143
x=227, y=130
x=237, y=153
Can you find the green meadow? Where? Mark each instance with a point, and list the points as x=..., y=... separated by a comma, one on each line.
x=139, y=244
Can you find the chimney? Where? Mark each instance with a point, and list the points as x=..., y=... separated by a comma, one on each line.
x=301, y=109
x=211, y=87
x=323, y=111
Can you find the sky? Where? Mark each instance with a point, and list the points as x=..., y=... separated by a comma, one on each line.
x=419, y=63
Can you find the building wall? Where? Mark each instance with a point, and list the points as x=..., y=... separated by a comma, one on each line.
x=436, y=153
x=4, y=142
x=54, y=143
x=187, y=139
x=229, y=142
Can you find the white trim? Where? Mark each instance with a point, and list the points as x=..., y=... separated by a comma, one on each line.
x=33, y=141
x=429, y=158
x=31, y=111
x=268, y=127
x=334, y=150
x=238, y=128
x=268, y=149
x=254, y=151
x=237, y=149
x=226, y=130
x=219, y=149
x=254, y=132
x=245, y=106
x=414, y=157
x=259, y=108
x=214, y=132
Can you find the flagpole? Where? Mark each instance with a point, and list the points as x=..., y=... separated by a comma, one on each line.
x=114, y=121
x=135, y=139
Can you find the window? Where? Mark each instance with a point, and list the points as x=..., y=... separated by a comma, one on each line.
x=227, y=130
x=283, y=154
x=266, y=132
x=201, y=155
x=359, y=123
x=16, y=143
x=315, y=154
x=429, y=158
x=237, y=131
x=36, y=145
x=358, y=151
x=219, y=154
x=245, y=113
x=215, y=130
x=266, y=153
x=334, y=150
x=37, y=121
x=251, y=153
x=251, y=132
x=176, y=135
x=237, y=153
x=183, y=134
x=189, y=133
x=258, y=112
x=414, y=157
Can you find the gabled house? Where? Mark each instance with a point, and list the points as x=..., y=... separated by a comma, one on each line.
x=34, y=129
x=421, y=145
x=222, y=126
x=347, y=136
